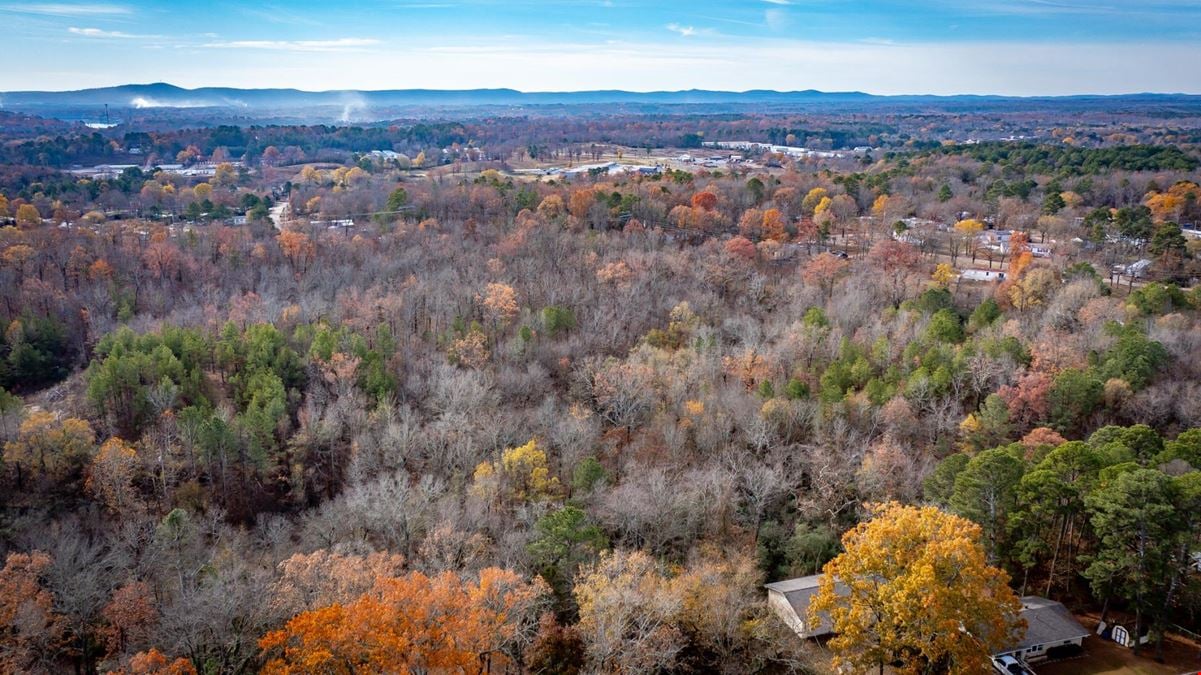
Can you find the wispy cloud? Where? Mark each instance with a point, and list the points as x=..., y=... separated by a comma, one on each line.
x=686, y=31
x=778, y=2
x=338, y=45
x=689, y=31
x=776, y=19
x=106, y=34
x=279, y=15
x=66, y=9
x=1048, y=8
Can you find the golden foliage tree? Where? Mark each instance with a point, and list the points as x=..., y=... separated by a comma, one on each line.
x=51, y=447
x=111, y=475
x=470, y=351
x=943, y=275
x=551, y=207
x=913, y=588
x=1168, y=205
x=500, y=303
x=965, y=235
x=28, y=216
x=719, y=602
x=522, y=475
x=225, y=174
x=813, y=199
x=1032, y=288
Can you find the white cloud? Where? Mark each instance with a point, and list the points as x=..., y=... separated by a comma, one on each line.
x=66, y=9
x=689, y=31
x=106, y=34
x=338, y=45
x=686, y=31
x=778, y=2
x=776, y=19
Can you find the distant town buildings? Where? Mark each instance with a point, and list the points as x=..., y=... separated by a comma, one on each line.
x=789, y=150
x=112, y=171
x=602, y=168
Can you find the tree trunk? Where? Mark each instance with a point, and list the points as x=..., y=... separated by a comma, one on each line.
x=1138, y=627
x=1055, y=557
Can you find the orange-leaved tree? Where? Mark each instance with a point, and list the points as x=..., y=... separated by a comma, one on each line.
x=414, y=623
x=155, y=662
x=824, y=271
x=913, y=588
x=30, y=630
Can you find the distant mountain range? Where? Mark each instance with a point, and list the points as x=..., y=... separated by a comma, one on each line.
x=162, y=95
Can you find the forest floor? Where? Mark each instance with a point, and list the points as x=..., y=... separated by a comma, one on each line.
x=1103, y=657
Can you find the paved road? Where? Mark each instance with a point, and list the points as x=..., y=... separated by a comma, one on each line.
x=278, y=214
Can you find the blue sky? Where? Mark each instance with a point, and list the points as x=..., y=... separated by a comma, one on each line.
x=1022, y=47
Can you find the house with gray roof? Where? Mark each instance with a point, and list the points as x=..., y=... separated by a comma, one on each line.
x=790, y=599
x=1048, y=623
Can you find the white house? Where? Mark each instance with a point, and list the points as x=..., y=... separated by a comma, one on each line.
x=1137, y=269
x=982, y=275
x=997, y=240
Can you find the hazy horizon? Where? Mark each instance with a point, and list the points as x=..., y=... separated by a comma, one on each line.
x=983, y=94
x=885, y=47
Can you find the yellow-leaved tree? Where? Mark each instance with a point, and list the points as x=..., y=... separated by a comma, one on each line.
x=522, y=475
x=943, y=275
x=49, y=446
x=913, y=589
x=964, y=238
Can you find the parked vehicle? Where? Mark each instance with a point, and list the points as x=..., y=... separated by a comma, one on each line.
x=1009, y=665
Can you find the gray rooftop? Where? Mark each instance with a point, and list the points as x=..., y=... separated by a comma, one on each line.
x=789, y=585
x=1048, y=623
x=799, y=593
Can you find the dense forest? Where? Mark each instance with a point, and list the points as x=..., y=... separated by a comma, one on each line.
x=449, y=417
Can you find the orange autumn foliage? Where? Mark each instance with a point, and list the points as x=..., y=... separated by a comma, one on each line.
x=129, y=618
x=741, y=247
x=704, y=200
x=414, y=623
x=297, y=248
x=155, y=662
x=29, y=627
